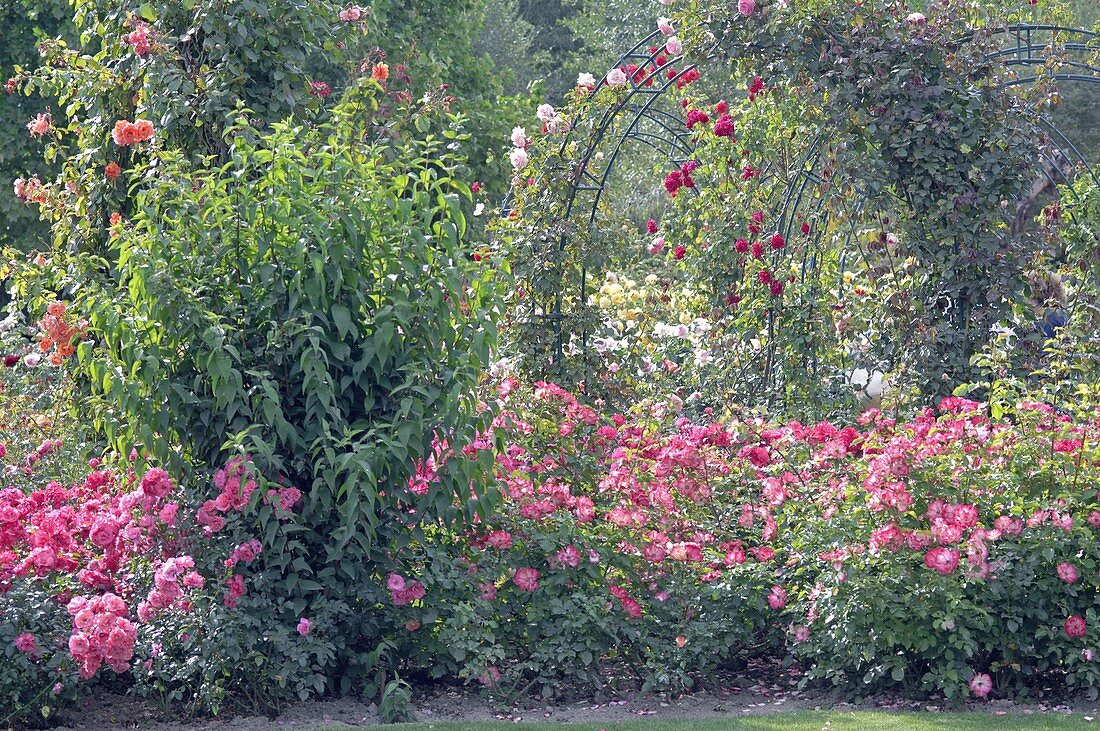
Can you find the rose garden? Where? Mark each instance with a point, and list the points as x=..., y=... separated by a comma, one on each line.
x=350, y=353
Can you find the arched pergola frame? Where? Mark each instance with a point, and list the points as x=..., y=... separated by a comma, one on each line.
x=1025, y=52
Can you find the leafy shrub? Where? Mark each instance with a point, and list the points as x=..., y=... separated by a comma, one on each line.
x=277, y=309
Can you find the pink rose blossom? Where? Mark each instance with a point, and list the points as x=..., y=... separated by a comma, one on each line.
x=746, y=7
x=26, y=644
x=1067, y=572
x=304, y=626
x=1075, y=627
x=981, y=684
x=518, y=158
x=616, y=77
x=527, y=579
x=943, y=560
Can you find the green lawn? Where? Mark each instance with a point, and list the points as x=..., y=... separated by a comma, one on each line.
x=807, y=721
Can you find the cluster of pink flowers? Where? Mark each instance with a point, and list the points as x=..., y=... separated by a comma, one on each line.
x=40, y=126
x=131, y=133
x=404, y=591
x=30, y=190
x=171, y=581
x=236, y=486
x=101, y=634
x=138, y=38
x=351, y=14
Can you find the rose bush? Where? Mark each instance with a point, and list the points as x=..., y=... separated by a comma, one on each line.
x=91, y=553
x=652, y=546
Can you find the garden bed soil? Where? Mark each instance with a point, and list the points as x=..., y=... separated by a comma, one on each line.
x=113, y=712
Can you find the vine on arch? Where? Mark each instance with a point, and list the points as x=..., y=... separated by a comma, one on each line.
x=841, y=194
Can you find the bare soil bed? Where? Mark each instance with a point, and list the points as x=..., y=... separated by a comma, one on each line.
x=730, y=697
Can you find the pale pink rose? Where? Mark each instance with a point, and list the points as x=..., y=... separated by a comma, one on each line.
x=616, y=77
x=665, y=26
x=304, y=626
x=519, y=137
x=351, y=14
x=518, y=157
x=673, y=46
x=915, y=19
x=746, y=7
x=545, y=112
x=586, y=81
x=39, y=126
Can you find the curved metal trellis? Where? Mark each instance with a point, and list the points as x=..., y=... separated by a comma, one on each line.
x=1029, y=53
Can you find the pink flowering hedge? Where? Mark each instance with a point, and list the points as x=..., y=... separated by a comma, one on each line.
x=949, y=553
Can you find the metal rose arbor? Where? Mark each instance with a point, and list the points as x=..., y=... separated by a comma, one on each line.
x=802, y=156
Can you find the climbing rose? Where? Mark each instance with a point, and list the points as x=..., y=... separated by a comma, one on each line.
x=1075, y=627
x=673, y=46
x=568, y=556
x=915, y=19
x=665, y=26
x=545, y=112
x=746, y=7
x=519, y=137
x=112, y=170
x=586, y=81
x=616, y=77
x=777, y=598
x=304, y=626
x=526, y=579
x=724, y=127
x=981, y=684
